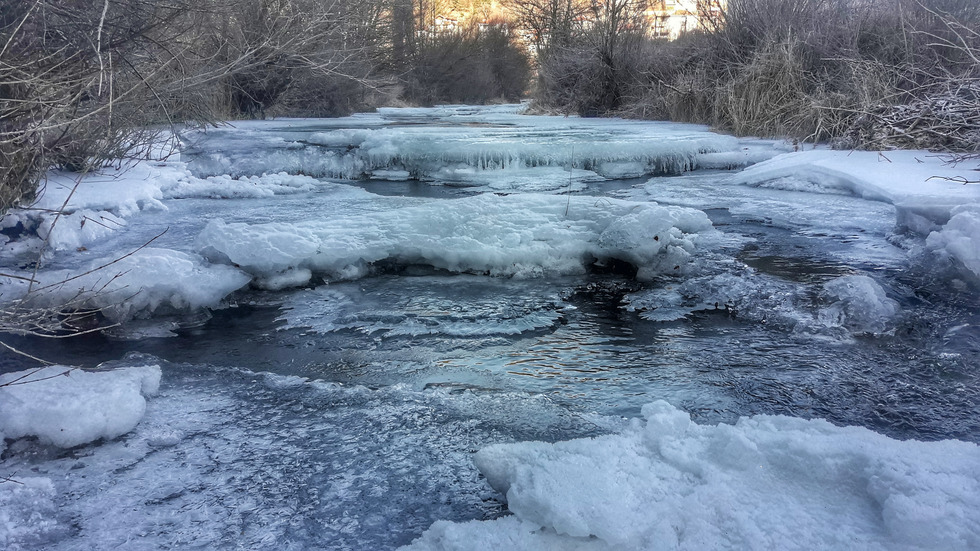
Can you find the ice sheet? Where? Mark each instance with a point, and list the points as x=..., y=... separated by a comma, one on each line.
x=518, y=235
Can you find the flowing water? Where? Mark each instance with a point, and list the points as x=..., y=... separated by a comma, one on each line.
x=413, y=369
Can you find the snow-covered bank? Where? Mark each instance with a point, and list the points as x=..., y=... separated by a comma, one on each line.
x=767, y=482
x=932, y=197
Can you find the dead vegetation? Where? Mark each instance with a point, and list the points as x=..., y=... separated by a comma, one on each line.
x=883, y=74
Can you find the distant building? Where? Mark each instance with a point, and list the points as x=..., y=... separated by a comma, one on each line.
x=671, y=18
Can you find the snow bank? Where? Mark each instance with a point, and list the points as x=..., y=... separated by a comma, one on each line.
x=524, y=236
x=96, y=205
x=149, y=281
x=67, y=407
x=922, y=187
x=767, y=482
x=931, y=196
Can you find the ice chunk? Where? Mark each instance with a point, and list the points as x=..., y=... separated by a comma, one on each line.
x=768, y=482
x=524, y=236
x=745, y=294
x=960, y=238
x=851, y=304
x=67, y=407
x=858, y=304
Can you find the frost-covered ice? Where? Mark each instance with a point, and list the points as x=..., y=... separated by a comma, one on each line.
x=225, y=458
x=460, y=306
x=69, y=407
x=522, y=235
x=767, y=482
x=846, y=305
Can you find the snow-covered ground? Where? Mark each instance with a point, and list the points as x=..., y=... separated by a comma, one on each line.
x=528, y=294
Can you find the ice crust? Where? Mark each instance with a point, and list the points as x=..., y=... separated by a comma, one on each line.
x=521, y=236
x=426, y=306
x=766, y=482
x=68, y=407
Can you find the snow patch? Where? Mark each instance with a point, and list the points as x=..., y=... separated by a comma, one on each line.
x=768, y=482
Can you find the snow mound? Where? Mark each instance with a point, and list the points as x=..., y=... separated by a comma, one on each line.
x=767, y=482
x=68, y=407
x=148, y=281
x=523, y=236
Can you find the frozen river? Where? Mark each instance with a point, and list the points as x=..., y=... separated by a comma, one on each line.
x=441, y=280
